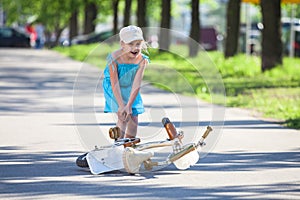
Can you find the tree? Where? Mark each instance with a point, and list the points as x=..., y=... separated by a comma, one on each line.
x=271, y=34
x=55, y=16
x=73, y=26
x=127, y=12
x=90, y=16
x=164, y=37
x=195, y=29
x=115, y=4
x=18, y=12
x=141, y=13
x=232, y=28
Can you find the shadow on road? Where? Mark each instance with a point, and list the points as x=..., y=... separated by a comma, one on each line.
x=34, y=172
x=27, y=90
x=245, y=161
x=232, y=124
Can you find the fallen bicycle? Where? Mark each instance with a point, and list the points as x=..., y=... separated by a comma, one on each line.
x=135, y=157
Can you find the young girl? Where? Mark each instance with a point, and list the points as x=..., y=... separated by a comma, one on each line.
x=122, y=80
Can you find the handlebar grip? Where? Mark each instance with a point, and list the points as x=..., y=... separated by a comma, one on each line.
x=170, y=128
x=208, y=130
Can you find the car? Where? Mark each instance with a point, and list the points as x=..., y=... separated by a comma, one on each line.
x=297, y=42
x=92, y=38
x=286, y=32
x=208, y=38
x=12, y=37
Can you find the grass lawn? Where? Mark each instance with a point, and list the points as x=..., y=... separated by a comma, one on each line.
x=275, y=93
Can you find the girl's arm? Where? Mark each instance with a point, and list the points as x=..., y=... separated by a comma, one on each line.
x=137, y=83
x=114, y=79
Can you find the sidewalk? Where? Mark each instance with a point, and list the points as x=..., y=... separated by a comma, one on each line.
x=45, y=125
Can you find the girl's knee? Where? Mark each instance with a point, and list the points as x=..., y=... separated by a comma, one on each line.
x=134, y=118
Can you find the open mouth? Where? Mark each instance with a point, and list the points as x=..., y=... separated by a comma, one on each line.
x=134, y=52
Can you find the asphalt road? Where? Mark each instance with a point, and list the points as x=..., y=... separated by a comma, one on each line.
x=51, y=112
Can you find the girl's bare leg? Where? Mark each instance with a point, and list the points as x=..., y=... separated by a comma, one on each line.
x=132, y=127
x=122, y=125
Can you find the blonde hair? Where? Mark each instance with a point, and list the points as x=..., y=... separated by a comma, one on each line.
x=145, y=46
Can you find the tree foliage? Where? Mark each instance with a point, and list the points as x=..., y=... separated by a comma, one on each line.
x=81, y=16
x=20, y=11
x=54, y=14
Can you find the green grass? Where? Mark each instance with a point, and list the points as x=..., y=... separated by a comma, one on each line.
x=274, y=94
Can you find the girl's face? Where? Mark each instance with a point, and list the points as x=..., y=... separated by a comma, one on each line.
x=133, y=49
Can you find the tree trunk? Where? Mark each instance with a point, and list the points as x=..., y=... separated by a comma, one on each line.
x=115, y=8
x=141, y=15
x=58, y=32
x=232, y=28
x=90, y=13
x=127, y=13
x=271, y=34
x=164, y=37
x=73, y=25
x=195, y=29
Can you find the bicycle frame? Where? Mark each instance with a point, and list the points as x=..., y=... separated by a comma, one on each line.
x=110, y=158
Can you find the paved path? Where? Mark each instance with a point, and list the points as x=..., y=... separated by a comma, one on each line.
x=45, y=125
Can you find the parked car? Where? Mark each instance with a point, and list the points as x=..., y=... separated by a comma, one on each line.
x=11, y=37
x=208, y=38
x=92, y=38
x=286, y=32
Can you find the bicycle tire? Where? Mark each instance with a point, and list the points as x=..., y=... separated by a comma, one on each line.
x=81, y=161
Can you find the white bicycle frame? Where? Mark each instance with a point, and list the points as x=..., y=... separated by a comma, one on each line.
x=109, y=158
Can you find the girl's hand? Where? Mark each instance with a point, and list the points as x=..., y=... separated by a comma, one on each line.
x=122, y=115
x=128, y=111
